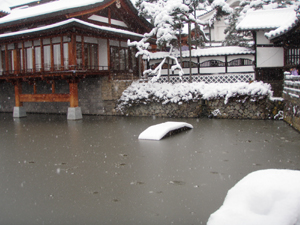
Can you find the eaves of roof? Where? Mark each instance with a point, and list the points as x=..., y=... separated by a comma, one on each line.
x=205, y=52
x=62, y=26
x=16, y=21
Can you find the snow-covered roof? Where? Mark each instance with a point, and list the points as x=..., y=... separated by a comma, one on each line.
x=46, y=8
x=267, y=19
x=215, y=51
x=4, y=7
x=72, y=21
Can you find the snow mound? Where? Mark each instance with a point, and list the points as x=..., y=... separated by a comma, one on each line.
x=265, y=197
x=158, y=131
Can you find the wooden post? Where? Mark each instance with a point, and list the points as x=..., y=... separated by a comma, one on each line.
x=18, y=91
x=61, y=53
x=34, y=88
x=33, y=58
x=42, y=55
x=109, y=16
x=51, y=55
x=23, y=57
x=16, y=58
x=6, y=60
x=72, y=52
x=82, y=52
x=53, y=87
x=73, y=86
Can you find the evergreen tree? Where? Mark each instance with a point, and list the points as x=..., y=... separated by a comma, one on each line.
x=244, y=38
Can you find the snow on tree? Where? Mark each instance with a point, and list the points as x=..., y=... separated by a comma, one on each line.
x=167, y=17
x=244, y=38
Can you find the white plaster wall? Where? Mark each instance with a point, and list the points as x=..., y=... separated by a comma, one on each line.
x=240, y=69
x=90, y=40
x=103, y=58
x=212, y=70
x=206, y=58
x=232, y=57
x=261, y=39
x=124, y=44
x=187, y=71
x=269, y=57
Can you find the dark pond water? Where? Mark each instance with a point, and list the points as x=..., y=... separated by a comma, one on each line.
x=96, y=171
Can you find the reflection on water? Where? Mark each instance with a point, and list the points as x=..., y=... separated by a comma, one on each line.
x=96, y=171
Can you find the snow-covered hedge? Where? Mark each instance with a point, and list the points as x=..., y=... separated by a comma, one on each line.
x=144, y=93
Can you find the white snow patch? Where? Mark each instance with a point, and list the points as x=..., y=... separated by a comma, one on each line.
x=265, y=197
x=158, y=131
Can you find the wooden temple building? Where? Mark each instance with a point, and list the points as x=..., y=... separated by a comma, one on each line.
x=71, y=41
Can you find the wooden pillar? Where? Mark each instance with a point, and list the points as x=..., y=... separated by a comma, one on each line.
x=53, y=87
x=18, y=91
x=16, y=59
x=82, y=53
x=51, y=55
x=61, y=53
x=23, y=57
x=42, y=55
x=109, y=16
x=34, y=88
x=6, y=60
x=72, y=52
x=73, y=86
x=33, y=58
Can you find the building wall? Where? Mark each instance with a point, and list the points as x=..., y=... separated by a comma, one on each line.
x=269, y=57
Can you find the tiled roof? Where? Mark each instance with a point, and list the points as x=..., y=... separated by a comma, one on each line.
x=215, y=51
x=267, y=19
x=61, y=25
x=47, y=8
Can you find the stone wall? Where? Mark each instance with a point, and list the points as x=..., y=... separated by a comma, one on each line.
x=291, y=95
x=237, y=108
x=97, y=95
x=7, y=97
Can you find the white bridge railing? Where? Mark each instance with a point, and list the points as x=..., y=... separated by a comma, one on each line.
x=291, y=85
x=216, y=78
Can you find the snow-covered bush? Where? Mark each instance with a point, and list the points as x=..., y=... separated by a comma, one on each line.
x=144, y=93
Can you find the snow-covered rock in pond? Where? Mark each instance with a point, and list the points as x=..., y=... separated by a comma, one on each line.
x=265, y=197
x=158, y=131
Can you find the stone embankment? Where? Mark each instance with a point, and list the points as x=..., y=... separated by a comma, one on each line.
x=232, y=101
x=236, y=108
x=291, y=95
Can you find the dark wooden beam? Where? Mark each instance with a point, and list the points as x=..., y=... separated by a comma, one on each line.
x=88, y=11
x=45, y=97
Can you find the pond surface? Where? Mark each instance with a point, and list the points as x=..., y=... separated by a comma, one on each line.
x=96, y=171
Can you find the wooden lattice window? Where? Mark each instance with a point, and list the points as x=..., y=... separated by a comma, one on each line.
x=186, y=64
x=212, y=63
x=240, y=62
x=122, y=59
x=293, y=57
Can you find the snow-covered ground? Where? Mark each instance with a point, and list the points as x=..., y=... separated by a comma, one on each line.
x=143, y=93
x=265, y=197
x=158, y=131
